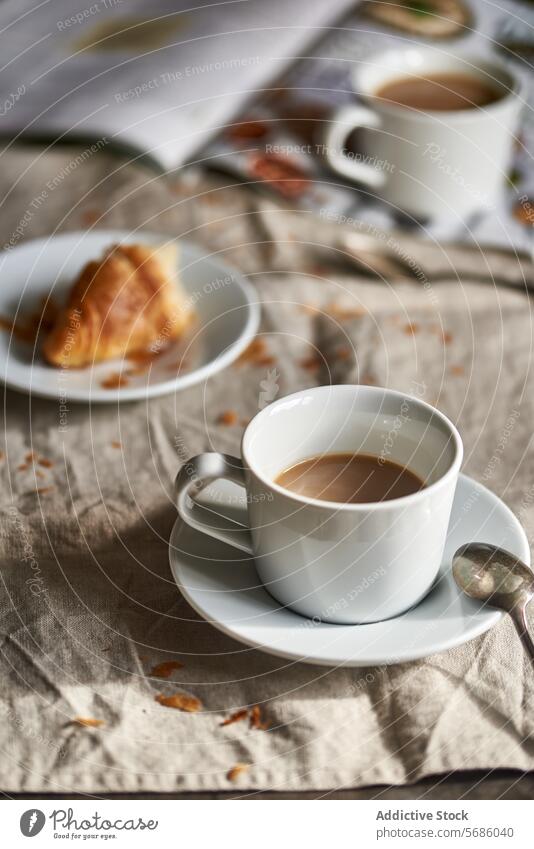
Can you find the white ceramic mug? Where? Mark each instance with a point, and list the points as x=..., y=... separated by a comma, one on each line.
x=337, y=562
x=432, y=164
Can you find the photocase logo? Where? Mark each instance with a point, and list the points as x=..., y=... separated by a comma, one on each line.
x=32, y=822
x=269, y=389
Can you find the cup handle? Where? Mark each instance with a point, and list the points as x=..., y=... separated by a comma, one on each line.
x=193, y=477
x=344, y=120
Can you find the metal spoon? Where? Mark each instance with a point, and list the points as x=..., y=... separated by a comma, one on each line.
x=387, y=255
x=403, y=257
x=492, y=575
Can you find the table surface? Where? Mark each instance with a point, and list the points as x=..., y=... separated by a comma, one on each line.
x=93, y=188
x=499, y=784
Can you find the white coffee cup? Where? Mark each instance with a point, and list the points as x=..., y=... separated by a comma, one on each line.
x=337, y=562
x=438, y=164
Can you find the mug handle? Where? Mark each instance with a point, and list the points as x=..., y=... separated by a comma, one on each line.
x=344, y=121
x=194, y=476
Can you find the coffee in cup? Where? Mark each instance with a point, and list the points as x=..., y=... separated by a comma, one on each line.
x=350, y=478
x=439, y=92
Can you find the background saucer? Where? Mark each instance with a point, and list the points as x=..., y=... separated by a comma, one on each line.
x=226, y=306
x=223, y=587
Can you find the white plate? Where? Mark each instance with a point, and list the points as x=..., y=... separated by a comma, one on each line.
x=224, y=588
x=226, y=306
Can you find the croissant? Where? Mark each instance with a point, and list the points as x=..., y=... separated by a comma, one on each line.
x=129, y=301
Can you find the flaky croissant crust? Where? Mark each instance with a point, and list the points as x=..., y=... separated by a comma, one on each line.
x=127, y=302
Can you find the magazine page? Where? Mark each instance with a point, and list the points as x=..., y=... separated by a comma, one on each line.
x=162, y=86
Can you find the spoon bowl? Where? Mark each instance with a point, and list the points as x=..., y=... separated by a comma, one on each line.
x=492, y=575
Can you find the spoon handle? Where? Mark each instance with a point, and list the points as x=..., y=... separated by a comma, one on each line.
x=519, y=617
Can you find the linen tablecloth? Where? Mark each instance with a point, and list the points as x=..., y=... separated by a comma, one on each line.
x=88, y=605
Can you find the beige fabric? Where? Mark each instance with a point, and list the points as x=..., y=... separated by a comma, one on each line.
x=88, y=605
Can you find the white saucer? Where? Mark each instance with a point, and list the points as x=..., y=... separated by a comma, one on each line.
x=226, y=306
x=223, y=587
